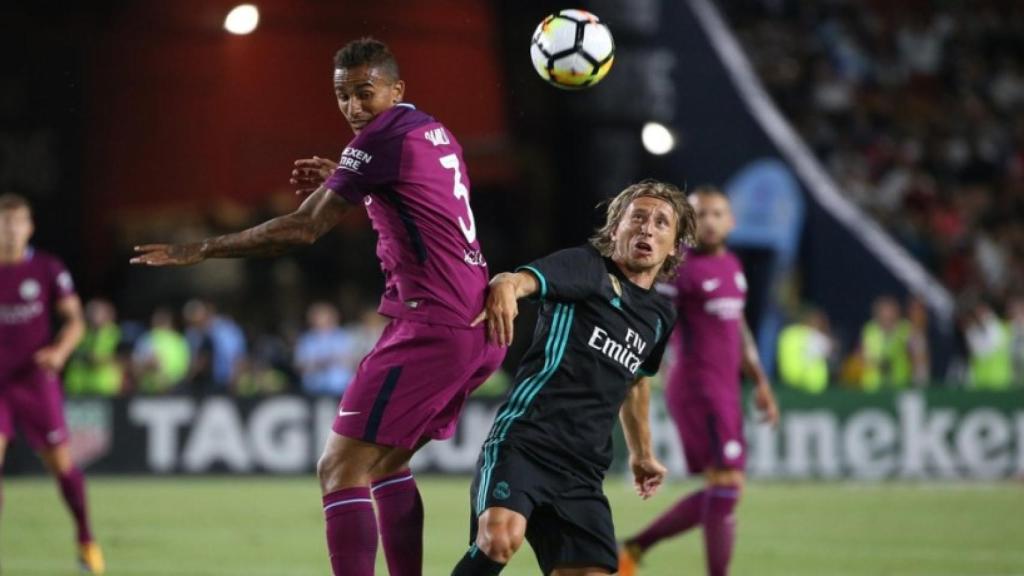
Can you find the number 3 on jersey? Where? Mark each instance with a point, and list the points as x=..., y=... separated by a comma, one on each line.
x=451, y=162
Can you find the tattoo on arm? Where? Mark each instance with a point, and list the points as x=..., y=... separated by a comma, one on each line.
x=314, y=218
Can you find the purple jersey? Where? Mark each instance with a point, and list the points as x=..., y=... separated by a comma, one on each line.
x=408, y=171
x=711, y=295
x=28, y=292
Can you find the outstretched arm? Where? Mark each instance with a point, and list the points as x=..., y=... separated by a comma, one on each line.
x=317, y=214
x=502, y=305
x=752, y=368
x=648, y=473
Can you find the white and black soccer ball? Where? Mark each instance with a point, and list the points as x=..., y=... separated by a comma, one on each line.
x=572, y=49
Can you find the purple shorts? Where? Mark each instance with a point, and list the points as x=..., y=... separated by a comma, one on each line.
x=414, y=383
x=711, y=434
x=36, y=407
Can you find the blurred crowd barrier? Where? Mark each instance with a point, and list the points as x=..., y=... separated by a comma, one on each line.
x=920, y=435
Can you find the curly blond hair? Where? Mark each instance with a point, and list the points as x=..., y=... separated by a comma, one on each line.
x=686, y=221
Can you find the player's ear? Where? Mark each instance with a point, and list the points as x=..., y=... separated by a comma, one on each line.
x=397, y=91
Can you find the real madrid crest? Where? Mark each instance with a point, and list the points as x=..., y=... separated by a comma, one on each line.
x=616, y=286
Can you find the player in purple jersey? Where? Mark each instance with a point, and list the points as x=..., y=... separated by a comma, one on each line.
x=33, y=287
x=406, y=169
x=713, y=344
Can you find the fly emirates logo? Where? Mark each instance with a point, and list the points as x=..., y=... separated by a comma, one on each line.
x=626, y=354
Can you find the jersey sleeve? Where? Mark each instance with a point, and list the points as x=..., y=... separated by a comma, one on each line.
x=63, y=284
x=371, y=161
x=653, y=362
x=569, y=274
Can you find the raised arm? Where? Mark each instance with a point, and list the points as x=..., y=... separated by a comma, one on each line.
x=502, y=304
x=648, y=473
x=317, y=214
x=752, y=368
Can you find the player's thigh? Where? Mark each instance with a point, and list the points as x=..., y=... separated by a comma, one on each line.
x=410, y=378
x=711, y=436
x=575, y=532
x=3, y=449
x=37, y=409
x=397, y=459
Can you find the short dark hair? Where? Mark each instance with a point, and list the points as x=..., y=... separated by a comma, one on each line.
x=370, y=52
x=11, y=201
x=709, y=190
x=686, y=221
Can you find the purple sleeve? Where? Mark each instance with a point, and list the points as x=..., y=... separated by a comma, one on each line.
x=369, y=162
x=63, y=285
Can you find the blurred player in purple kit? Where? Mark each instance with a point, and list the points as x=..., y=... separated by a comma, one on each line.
x=713, y=343
x=406, y=169
x=34, y=286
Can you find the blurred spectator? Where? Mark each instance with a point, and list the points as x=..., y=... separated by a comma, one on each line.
x=94, y=368
x=160, y=360
x=324, y=355
x=885, y=347
x=917, y=343
x=918, y=113
x=1015, y=316
x=989, y=344
x=258, y=377
x=804, y=350
x=367, y=332
x=217, y=345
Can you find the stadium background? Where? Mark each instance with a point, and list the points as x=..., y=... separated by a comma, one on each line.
x=128, y=122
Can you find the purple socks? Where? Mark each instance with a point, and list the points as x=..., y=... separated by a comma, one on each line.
x=684, y=515
x=351, y=531
x=719, y=528
x=400, y=516
x=713, y=508
x=72, y=487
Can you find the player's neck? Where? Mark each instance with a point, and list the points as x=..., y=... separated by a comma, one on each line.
x=12, y=255
x=642, y=278
x=712, y=249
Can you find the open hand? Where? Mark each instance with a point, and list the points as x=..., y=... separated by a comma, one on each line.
x=310, y=173
x=168, y=254
x=500, y=311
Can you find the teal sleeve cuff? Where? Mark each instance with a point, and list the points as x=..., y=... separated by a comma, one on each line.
x=540, y=278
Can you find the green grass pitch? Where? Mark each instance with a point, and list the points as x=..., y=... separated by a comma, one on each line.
x=260, y=526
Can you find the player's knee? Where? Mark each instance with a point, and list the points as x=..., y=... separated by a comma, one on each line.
x=734, y=479
x=499, y=541
x=336, y=472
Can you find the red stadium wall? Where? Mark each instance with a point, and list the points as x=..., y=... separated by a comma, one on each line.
x=179, y=112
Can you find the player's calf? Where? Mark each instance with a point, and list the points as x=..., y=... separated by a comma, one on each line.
x=500, y=534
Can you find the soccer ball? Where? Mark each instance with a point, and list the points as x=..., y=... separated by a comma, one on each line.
x=572, y=49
